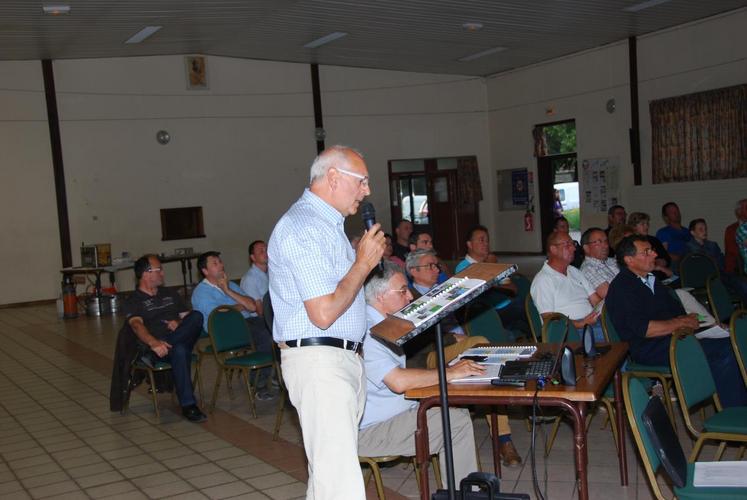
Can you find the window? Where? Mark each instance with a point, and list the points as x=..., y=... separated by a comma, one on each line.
x=181, y=223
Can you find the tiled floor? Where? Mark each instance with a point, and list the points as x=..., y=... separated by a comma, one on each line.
x=58, y=438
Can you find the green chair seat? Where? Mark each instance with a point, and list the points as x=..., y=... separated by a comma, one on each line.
x=730, y=420
x=160, y=365
x=690, y=491
x=250, y=360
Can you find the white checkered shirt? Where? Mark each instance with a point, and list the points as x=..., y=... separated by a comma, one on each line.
x=308, y=256
x=598, y=271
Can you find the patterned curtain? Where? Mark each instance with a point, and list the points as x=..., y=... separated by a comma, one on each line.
x=468, y=180
x=700, y=136
x=540, y=142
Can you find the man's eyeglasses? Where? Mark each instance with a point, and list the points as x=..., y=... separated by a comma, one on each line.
x=154, y=270
x=402, y=291
x=565, y=243
x=431, y=267
x=646, y=251
x=362, y=179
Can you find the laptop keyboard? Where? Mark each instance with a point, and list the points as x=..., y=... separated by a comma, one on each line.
x=521, y=371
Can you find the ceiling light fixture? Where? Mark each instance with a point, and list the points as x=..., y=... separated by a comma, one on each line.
x=325, y=39
x=480, y=54
x=472, y=27
x=644, y=5
x=56, y=9
x=143, y=34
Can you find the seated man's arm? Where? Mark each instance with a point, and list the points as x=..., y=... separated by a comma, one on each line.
x=400, y=380
x=160, y=347
x=658, y=328
x=323, y=311
x=243, y=303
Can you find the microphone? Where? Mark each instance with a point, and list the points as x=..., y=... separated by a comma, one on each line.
x=368, y=214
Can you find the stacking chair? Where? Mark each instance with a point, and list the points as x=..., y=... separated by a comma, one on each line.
x=375, y=471
x=554, y=327
x=269, y=315
x=695, y=269
x=719, y=299
x=636, y=398
x=160, y=366
x=483, y=320
x=738, y=334
x=695, y=386
x=533, y=318
x=661, y=373
x=228, y=333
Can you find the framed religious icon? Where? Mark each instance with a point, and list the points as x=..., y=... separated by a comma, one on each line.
x=196, y=67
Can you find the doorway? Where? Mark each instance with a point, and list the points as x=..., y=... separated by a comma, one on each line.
x=426, y=192
x=557, y=177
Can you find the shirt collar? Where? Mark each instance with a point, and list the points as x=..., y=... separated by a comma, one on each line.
x=649, y=280
x=420, y=288
x=324, y=209
x=470, y=259
x=373, y=317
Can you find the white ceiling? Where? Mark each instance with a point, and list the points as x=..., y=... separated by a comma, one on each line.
x=412, y=35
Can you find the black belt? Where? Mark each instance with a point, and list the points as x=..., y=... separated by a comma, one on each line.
x=326, y=341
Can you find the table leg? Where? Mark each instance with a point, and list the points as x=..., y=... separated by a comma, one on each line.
x=619, y=409
x=422, y=450
x=496, y=443
x=99, y=296
x=579, y=437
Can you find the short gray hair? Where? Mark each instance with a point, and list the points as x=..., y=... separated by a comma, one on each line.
x=413, y=258
x=330, y=157
x=378, y=282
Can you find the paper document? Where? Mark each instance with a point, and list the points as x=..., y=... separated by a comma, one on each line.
x=720, y=474
x=714, y=332
x=491, y=371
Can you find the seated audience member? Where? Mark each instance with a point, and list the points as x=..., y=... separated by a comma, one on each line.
x=389, y=420
x=673, y=236
x=422, y=240
x=561, y=288
x=617, y=233
x=217, y=290
x=730, y=238
x=645, y=314
x=422, y=267
x=389, y=252
x=701, y=244
x=402, y=238
x=615, y=216
x=478, y=248
x=597, y=267
x=163, y=322
x=640, y=221
x=561, y=224
x=255, y=281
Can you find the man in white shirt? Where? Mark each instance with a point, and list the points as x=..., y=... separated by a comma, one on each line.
x=561, y=288
x=389, y=420
x=255, y=282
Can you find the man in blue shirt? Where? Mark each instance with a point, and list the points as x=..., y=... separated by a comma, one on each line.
x=255, y=281
x=673, y=236
x=316, y=281
x=217, y=290
x=389, y=421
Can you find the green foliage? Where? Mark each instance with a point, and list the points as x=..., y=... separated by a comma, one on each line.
x=574, y=219
x=561, y=138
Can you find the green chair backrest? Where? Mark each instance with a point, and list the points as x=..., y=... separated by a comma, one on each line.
x=719, y=299
x=554, y=327
x=690, y=370
x=609, y=329
x=636, y=400
x=533, y=318
x=738, y=331
x=522, y=286
x=228, y=329
x=483, y=320
x=695, y=269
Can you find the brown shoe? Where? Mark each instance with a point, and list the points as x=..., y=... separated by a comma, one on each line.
x=509, y=454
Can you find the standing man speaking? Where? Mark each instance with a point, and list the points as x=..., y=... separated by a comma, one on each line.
x=316, y=281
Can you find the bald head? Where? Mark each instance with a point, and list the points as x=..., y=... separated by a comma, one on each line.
x=333, y=156
x=339, y=176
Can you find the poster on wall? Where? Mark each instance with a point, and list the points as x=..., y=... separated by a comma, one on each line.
x=599, y=180
x=514, y=187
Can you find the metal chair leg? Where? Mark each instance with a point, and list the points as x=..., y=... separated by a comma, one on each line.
x=154, y=392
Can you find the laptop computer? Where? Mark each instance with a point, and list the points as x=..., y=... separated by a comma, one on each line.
x=518, y=372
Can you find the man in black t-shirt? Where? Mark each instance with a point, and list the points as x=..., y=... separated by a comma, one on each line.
x=161, y=320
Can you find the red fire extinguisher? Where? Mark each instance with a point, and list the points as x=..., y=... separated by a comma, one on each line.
x=528, y=221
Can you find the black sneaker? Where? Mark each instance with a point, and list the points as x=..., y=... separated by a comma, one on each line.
x=193, y=414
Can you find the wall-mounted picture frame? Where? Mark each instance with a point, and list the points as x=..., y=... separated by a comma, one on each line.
x=196, y=68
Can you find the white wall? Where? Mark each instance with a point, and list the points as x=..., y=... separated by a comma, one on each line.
x=705, y=55
x=30, y=248
x=390, y=115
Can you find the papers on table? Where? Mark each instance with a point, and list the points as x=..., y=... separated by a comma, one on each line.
x=720, y=474
x=494, y=359
x=714, y=332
